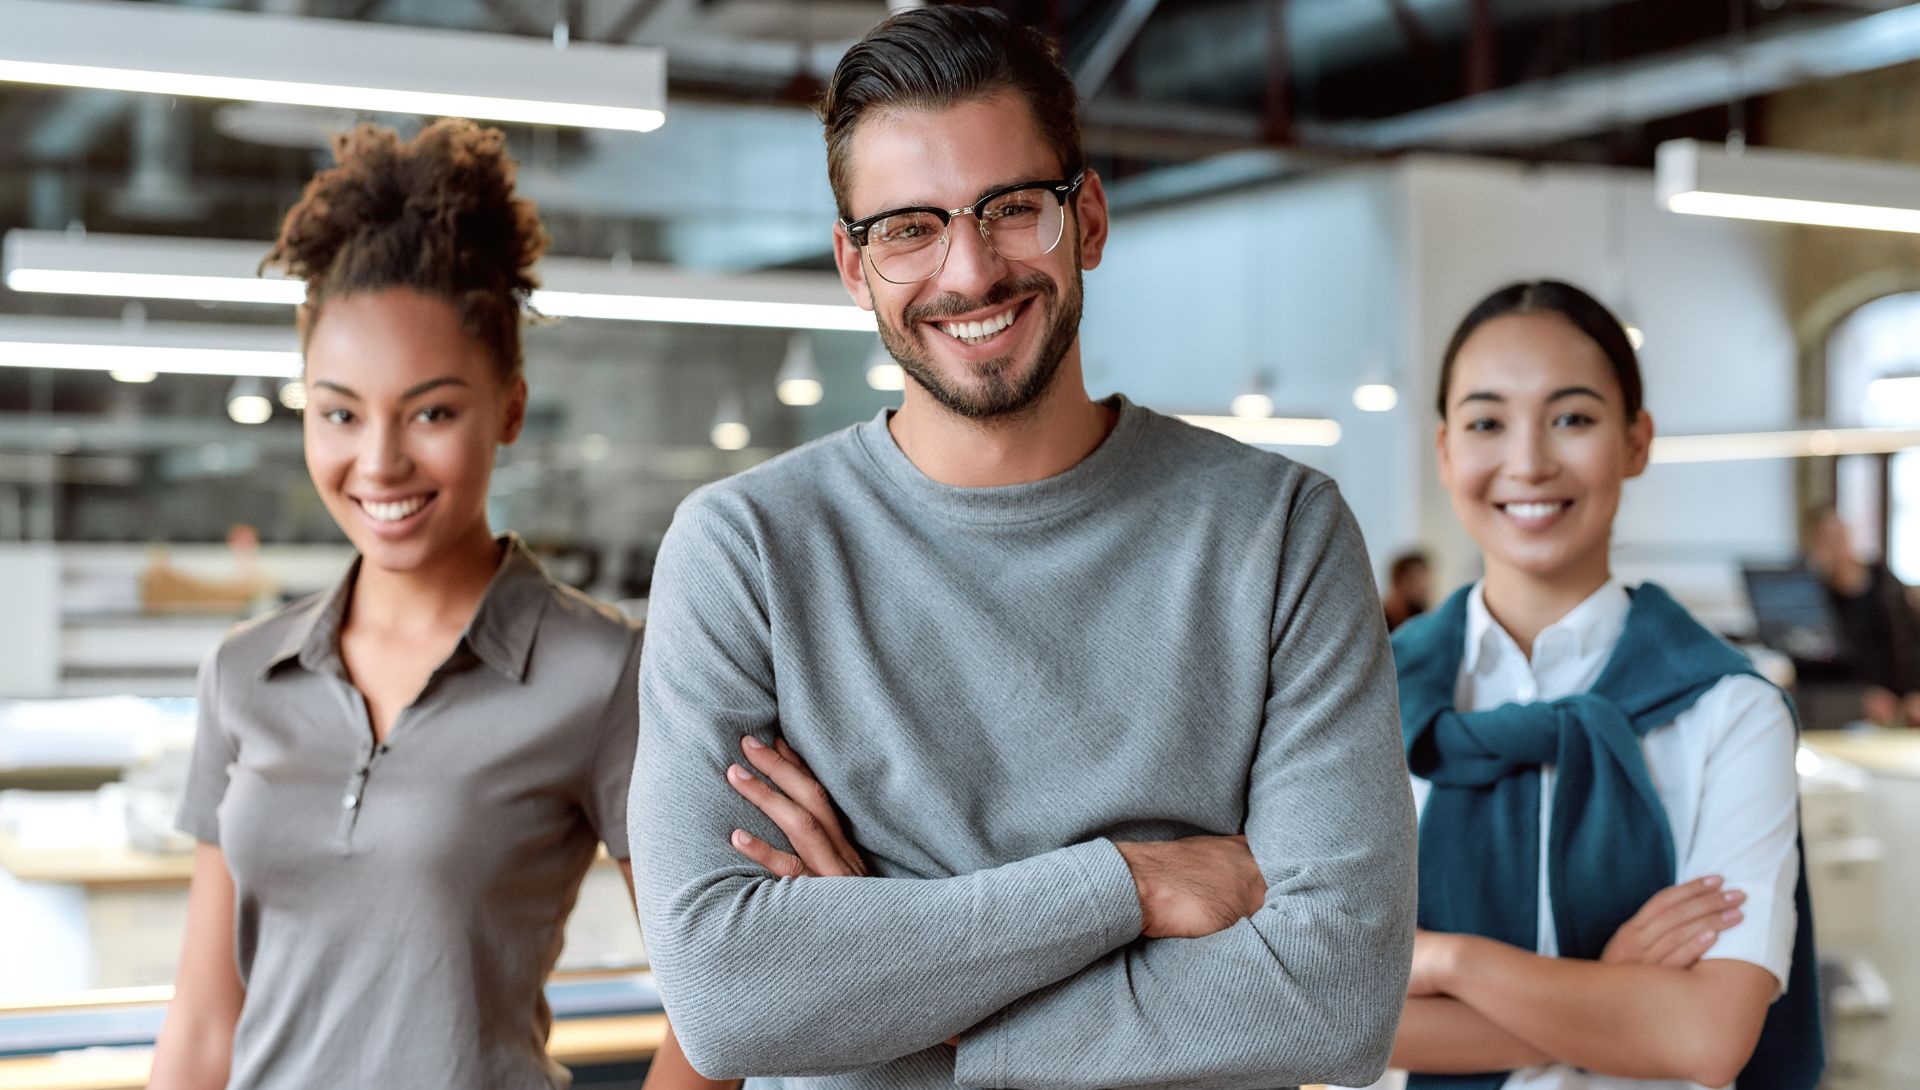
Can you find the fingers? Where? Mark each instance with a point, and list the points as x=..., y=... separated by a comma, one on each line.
x=1672, y=945
x=787, y=751
x=780, y=764
x=796, y=781
x=1678, y=925
x=808, y=839
x=1688, y=950
x=1674, y=895
x=777, y=863
x=1699, y=907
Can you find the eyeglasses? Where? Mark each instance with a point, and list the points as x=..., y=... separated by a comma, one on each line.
x=1018, y=222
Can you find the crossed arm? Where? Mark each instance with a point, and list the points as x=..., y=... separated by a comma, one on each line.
x=1669, y=998
x=1654, y=1010
x=1443, y=1035
x=1032, y=966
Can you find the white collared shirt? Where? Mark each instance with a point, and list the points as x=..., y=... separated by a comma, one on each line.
x=1723, y=769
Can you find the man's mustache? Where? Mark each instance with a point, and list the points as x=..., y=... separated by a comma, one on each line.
x=952, y=305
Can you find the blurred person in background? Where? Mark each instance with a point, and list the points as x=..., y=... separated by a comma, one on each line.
x=1611, y=888
x=1879, y=633
x=1409, y=588
x=398, y=786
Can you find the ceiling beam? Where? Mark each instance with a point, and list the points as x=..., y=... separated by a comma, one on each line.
x=1110, y=44
x=631, y=20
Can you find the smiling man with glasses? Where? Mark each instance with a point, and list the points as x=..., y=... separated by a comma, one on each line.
x=1104, y=701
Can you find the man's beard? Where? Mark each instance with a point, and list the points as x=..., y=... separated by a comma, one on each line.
x=996, y=390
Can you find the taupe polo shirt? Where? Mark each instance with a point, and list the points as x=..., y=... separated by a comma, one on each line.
x=399, y=906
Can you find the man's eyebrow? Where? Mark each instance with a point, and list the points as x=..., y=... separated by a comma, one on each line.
x=976, y=197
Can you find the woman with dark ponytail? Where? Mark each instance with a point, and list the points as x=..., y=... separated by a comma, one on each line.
x=398, y=786
x=1611, y=888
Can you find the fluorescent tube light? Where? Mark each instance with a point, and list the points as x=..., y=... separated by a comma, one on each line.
x=738, y=312
x=132, y=285
x=1272, y=431
x=222, y=271
x=246, y=56
x=1807, y=443
x=1787, y=187
x=177, y=348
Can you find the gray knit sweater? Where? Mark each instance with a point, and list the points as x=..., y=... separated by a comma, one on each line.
x=1178, y=636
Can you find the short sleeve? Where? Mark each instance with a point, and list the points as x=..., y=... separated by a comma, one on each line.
x=1748, y=826
x=612, y=771
x=214, y=752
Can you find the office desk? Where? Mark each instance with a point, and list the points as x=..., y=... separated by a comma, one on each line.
x=113, y=916
x=599, y=1019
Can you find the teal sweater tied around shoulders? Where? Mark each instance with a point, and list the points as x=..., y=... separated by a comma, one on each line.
x=1611, y=848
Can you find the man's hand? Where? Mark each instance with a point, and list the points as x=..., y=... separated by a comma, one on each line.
x=1677, y=925
x=1194, y=887
x=800, y=807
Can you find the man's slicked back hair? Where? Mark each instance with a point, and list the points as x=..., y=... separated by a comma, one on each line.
x=933, y=58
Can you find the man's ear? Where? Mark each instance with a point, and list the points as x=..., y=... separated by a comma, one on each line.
x=1090, y=205
x=849, y=259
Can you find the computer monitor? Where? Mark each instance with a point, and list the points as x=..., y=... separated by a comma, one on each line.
x=1794, y=614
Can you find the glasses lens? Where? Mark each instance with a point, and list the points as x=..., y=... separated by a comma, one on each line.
x=907, y=247
x=1025, y=223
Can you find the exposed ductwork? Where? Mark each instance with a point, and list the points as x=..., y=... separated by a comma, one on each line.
x=1550, y=111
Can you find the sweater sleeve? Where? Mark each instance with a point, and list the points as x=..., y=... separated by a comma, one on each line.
x=812, y=976
x=1310, y=989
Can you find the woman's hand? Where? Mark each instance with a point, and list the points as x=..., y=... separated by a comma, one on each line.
x=1677, y=926
x=800, y=807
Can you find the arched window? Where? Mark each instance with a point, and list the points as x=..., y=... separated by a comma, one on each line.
x=1873, y=380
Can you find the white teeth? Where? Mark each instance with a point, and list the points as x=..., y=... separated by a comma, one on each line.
x=393, y=512
x=1530, y=510
x=975, y=332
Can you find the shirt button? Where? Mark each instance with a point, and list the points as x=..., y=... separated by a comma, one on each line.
x=349, y=802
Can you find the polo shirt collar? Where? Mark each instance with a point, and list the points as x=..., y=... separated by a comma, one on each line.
x=1593, y=626
x=502, y=630
x=500, y=634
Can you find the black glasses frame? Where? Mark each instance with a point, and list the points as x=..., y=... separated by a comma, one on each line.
x=1061, y=189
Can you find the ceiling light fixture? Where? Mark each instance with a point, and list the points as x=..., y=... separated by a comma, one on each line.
x=1375, y=397
x=1805, y=443
x=168, y=348
x=798, y=382
x=248, y=403
x=1252, y=406
x=247, y=56
x=884, y=373
x=223, y=271
x=1787, y=187
x=729, y=431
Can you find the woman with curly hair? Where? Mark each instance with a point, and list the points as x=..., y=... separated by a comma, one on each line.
x=398, y=786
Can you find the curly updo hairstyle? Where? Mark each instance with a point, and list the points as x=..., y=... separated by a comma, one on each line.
x=436, y=214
